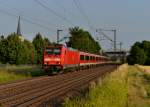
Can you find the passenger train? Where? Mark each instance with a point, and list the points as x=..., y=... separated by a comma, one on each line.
x=58, y=58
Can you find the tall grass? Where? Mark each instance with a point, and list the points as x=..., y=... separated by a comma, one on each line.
x=31, y=70
x=138, y=88
x=10, y=76
x=13, y=72
x=129, y=86
x=111, y=93
x=144, y=68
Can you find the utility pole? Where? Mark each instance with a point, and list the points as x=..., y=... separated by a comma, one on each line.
x=114, y=41
x=58, y=30
x=120, y=46
x=120, y=51
x=115, y=44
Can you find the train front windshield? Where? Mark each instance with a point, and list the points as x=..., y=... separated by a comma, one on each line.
x=53, y=51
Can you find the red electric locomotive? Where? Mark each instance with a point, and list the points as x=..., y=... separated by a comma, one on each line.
x=57, y=58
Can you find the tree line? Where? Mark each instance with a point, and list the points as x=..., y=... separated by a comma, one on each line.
x=140, y=53
x=16, y=50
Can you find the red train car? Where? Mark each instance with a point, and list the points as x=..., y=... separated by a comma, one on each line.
x=92, y=59
x=58, y=57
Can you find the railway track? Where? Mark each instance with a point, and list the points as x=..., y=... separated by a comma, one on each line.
x=33, y=92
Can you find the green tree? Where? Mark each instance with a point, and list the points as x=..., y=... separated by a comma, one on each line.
x=18, y=50
x=13, y=48
x=31, y=56
x=3, y=50
x=145, y=45
x=82, y=40
x=39, y=43
x=46, y=42
x=137, y=55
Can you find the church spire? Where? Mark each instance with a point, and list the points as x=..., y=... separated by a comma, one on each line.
x=19, y=27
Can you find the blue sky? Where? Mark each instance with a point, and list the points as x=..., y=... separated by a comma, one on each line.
x=131, y=18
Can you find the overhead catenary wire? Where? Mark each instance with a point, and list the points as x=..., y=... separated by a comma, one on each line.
x=26, y=20
x=101, y=32
x=83, y=13
x=29, y=16
x=53, y=12
x=30, y=19
x=65, y=9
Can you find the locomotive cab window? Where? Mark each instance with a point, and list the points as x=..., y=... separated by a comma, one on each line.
x=49, y=51
x=81, y=57
x=53, y=51
x=57, y=51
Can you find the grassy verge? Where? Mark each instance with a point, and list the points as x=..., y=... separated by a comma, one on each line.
x=111, y=93
x=127, y=87
x=10, y=76
x=144, y=68
x=13, y=72
x=138, y=88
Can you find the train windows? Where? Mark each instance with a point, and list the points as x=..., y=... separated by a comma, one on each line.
x=87, y=57
x=99, y=58
x=91, y=58
x=96, y=58
x=81, y=57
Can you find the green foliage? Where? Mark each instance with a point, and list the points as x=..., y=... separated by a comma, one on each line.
x=7, y=76
x=17, y=72
x=15, y=50
x=82, y=40
x=3, y=50
x=39, y=44
x=140, y=53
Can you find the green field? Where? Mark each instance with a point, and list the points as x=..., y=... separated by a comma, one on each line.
x=13, y=72
x=126, y=87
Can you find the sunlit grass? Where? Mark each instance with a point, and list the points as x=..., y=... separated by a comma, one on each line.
x=129, y=86
x=144, y=68
x=138, y=88
x=111, y=93
x=13, y=72
x=10, y=76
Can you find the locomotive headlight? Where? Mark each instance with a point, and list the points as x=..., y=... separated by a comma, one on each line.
x=57, y=59
x=47, y=59
x=45, y=63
